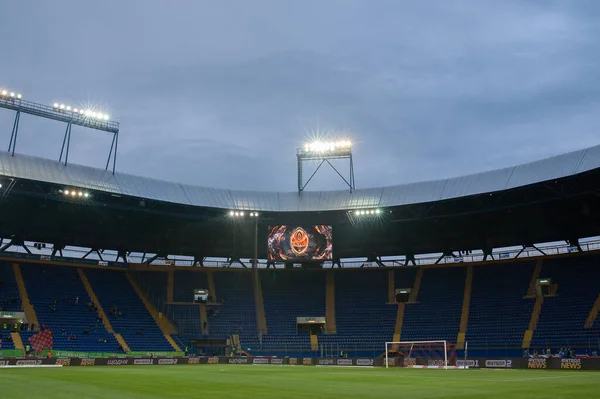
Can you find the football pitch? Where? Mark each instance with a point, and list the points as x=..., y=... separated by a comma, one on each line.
x=236, y=381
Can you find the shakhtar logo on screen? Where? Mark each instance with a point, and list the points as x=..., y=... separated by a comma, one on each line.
x=300, y=243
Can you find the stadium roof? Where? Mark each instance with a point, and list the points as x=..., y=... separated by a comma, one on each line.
x=51, y=171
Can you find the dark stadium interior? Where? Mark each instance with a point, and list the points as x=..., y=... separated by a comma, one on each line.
x=565, y=209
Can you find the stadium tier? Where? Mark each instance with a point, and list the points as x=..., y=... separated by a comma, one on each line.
x=126, y=311
x=61, y=304
x=436, y=314
x=288, y=295
x=10, y=300
x=563, y=315
x=499, y=312
x=363, y=317
x=236, y=313
x=501, y=307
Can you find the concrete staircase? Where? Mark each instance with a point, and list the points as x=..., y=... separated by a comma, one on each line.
x=591, y=319
x=535, y=316
x=414, y=292
x=261, y=318
x=330, y=323
x=537, y=308
x=122, y=342
x=534, y=277
x=314, y=342
x=204, y=319
x=17, y=341
x=391, y=287
x=464, y=318
x=212, y=290
x=161, y=321
x=27, y=306
x=96, y=302
x=399, y=323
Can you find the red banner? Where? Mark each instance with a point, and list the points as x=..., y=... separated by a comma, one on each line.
x=41, y=341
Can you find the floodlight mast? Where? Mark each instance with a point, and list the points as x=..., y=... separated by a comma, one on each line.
x=61, y=113
x=325, y=152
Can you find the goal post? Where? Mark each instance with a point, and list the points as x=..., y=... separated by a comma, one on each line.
x=417, y=354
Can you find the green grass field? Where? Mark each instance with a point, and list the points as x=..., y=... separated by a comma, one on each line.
x=235, y=381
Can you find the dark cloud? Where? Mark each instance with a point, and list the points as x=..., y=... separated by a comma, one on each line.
x=222, y=93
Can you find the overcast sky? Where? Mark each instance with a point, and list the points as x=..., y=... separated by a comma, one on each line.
x=221, y=93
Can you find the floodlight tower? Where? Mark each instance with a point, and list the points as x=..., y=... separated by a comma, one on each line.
x=63, y=113
x=325, y=152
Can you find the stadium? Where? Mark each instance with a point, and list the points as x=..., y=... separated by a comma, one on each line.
x=180, y=217
x=496, y=270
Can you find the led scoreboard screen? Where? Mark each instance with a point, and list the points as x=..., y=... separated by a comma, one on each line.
x=300, y=243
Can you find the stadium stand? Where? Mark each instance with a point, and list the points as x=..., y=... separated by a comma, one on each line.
x=236, y=314
x=154, y=284
x=10, y=299
x=364, y=319
x=563, y=316
x=436, y=314
x=499, y=313
x=499, y=310
x=185, y=284
x=134, y=323
x=288, y=295
x=60, y=299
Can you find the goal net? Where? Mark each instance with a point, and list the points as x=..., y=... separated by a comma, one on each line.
x=418, y=354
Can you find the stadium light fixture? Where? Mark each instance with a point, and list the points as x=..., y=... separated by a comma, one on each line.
x=10, y=95
x=367, y=212
x=61, y=112
x=73, y=193
x=241, y=214
x=328, y=147
x=93, y=115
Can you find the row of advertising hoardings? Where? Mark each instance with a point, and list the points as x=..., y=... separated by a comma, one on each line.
x=518, y=363
x=533, y=363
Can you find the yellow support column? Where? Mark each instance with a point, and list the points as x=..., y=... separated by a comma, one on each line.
x=464, y=318
x=414, y=293
x=27, y=306
x=330, y=323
